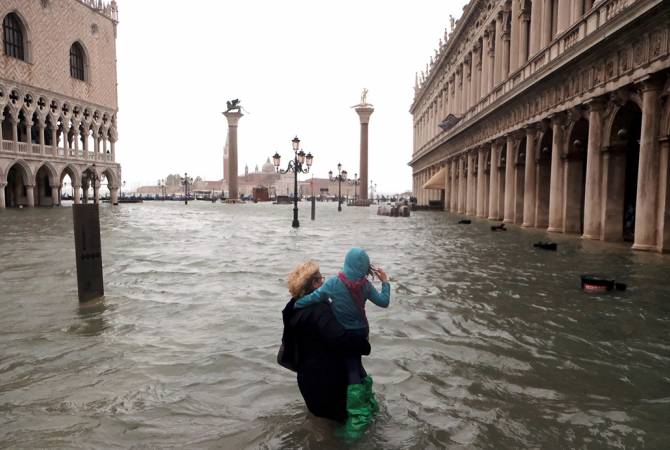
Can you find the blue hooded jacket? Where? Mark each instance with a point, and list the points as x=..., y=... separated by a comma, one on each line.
x=356, y=266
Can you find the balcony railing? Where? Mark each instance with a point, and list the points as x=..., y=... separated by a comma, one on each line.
x=561, y=47
x=22, y=149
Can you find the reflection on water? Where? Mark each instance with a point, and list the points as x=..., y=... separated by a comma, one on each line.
x=488, y=343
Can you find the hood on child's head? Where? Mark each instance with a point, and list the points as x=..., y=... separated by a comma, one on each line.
x=356, y=264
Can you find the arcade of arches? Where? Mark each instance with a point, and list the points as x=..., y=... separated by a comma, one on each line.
x=41, y=183
x=582, y=149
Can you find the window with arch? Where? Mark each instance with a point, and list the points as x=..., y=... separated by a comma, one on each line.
x=77, y=60
x=12, y=32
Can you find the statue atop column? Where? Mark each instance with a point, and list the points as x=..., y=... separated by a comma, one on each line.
x=233, y=105
x=364, y=97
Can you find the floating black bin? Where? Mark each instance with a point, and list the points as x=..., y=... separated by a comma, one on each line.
x=546, y=245
x=594, y=283
x=465, y=222
x=500, y=227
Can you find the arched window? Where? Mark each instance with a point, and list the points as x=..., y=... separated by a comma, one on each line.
x=12, y=31
x=77, y=61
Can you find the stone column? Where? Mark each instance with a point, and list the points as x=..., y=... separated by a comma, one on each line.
x=592, y=196
x=506, y=45
x=85, y=184
x=577, y=11
x=96, y=191
x=486, y=62
x=54, y=139
x=364, y=113
x=663, y=197
x=76, y=193
x=30, y=195
x=613, y=182
x=233, y=118
x=114, y=195
x=481, y=182
x=529, y=194
x=461, y=185
x=41, y=126
x=29, y=137
x=66, y=141
x=535, y=27
x=498, y=55
x=75, y=138
x=546, y=24
x=508, y=212
x=523, y=49
x=470, y=192
x=55, y=195
x=564, y=13
x=493, y=183
x=556, y=182
x=112, y=145
x=476, y=74
x=647, y=175
x=467, y=82
x=454, y=186
x=14, y=121
x=459, y=90
x=515, y=41
x=2, y=195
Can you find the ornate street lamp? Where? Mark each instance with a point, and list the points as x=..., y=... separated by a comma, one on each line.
x=296, y=166
x=186, y=181
x=340, y=177
x=356, y=182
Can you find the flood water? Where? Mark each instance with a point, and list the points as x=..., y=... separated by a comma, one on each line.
x=488, y=342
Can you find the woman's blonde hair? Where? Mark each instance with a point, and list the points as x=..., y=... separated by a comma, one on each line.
x=300, y=279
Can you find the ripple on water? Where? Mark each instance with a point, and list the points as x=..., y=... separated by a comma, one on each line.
x=488, y=343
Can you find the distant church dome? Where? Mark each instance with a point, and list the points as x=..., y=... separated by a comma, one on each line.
x=268, y=167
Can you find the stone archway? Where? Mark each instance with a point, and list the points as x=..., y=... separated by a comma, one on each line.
x=574, y=172
x=46, y=188
x=542, y=179
x=19, y=190
x=75, y=183
x=620, y=168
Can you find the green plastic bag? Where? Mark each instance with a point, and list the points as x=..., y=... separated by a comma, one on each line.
x=372, y=402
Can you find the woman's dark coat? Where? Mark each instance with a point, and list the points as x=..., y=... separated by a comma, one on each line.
x=320, y=344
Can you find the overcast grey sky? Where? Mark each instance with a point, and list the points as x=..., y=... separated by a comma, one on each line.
x=297, y=66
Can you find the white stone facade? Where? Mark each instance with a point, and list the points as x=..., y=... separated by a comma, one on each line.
x=551, y=114
x=53, y=123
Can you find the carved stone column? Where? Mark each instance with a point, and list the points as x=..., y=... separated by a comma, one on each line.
x=530, y=194
x=519, y=185
x=515, y=36
x=546, y=24
x=41, y=125
x=30, y=195
x=498, y=56
x=613, y=182
x=476, y=74
x=592, y=196
x=96, y=191
x=54, y=139
x=233, y=118
x=14, y=122
x=663, y=197
x=493, y=183
x=76, y=193
x=2, y=195
x=55, y=195
x=459, y=90
x=564, y=13
x=480, y=207
x=114, y=195
x=556, y=182
x=453, y=204
x=535, y=27
x=486, y=62
x=461, y=185
x=524, y=38
x=508, y=211
x=364, y=113
x=506, y=45
x=467, y=82
x=471, y=187
x=577, y=11
x=647, y=175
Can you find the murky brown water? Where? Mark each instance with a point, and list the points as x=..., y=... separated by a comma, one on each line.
x=488, y=343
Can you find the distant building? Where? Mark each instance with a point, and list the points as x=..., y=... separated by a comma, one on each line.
x=58, y=100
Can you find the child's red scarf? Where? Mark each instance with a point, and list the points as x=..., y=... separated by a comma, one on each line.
x=356, y=290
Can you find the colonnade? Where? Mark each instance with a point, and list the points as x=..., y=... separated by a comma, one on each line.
x=600, y=169
x=510, y=35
